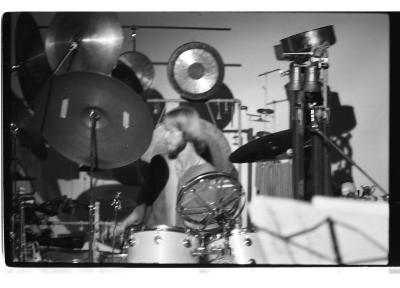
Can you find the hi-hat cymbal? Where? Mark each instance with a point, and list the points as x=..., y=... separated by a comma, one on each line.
x=124, y=128
x=99, y=37
x=33, y=67
x=195, y=70
x=264, y=148
x=140, y=65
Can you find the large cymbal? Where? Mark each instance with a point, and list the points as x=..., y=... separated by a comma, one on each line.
x=99, y=37
x=264, y=148
x=140, y=65
x=195, y=70
x=34, y=69
x=124, y=128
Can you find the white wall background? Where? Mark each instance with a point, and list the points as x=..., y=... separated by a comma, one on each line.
x=359, y=66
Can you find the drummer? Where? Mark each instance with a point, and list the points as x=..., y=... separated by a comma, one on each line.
x=181, y=153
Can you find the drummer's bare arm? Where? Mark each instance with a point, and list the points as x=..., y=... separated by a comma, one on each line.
x=136, y=217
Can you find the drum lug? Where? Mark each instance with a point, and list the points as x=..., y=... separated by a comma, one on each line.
x=158, y=239
x=132, y=241
x=247, y=241
x=186, y=243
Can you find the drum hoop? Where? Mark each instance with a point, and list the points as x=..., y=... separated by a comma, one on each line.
x=164, y=228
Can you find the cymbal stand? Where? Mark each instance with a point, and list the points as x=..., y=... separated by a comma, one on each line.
x=74, y=45
x=117, y=204
x=16, y=199
x=19, y=201
x=94, y=116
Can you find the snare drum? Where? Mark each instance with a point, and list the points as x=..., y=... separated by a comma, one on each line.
x=162, y=244
x=245, y=247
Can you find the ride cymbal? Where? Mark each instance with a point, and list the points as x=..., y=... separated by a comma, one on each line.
x=124, y=128
x=263, y=148
x=99, y=37
x=195, y=70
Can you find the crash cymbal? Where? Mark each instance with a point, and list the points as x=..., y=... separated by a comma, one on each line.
x=99, y=37
x=140, y=65
x=33, y=67
x=195, y=70
x=124, y=128
x=128, y=76
x=264, y=148
x=265, y=111
x=222, y=112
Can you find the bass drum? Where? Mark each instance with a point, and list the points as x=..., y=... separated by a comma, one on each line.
x=162, y=244
x=245, y=246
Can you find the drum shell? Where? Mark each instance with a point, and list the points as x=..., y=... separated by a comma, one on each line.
x=245, y=246
x=113, y=258
x=162, y=245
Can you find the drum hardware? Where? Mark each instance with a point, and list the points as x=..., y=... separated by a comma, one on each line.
x=219, y=112
x=327, y=140
x=117, y=204
x=87, y=115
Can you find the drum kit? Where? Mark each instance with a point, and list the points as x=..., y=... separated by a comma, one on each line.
x=87, y=102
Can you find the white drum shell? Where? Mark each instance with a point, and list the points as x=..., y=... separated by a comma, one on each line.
x=245, y=246
x=162, y=245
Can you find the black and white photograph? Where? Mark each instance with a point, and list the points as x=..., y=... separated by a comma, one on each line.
x=196, y=139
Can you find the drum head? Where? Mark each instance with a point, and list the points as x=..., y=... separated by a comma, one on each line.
x=209, y=200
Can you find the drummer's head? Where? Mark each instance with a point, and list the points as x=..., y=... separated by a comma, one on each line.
x=182, y=125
